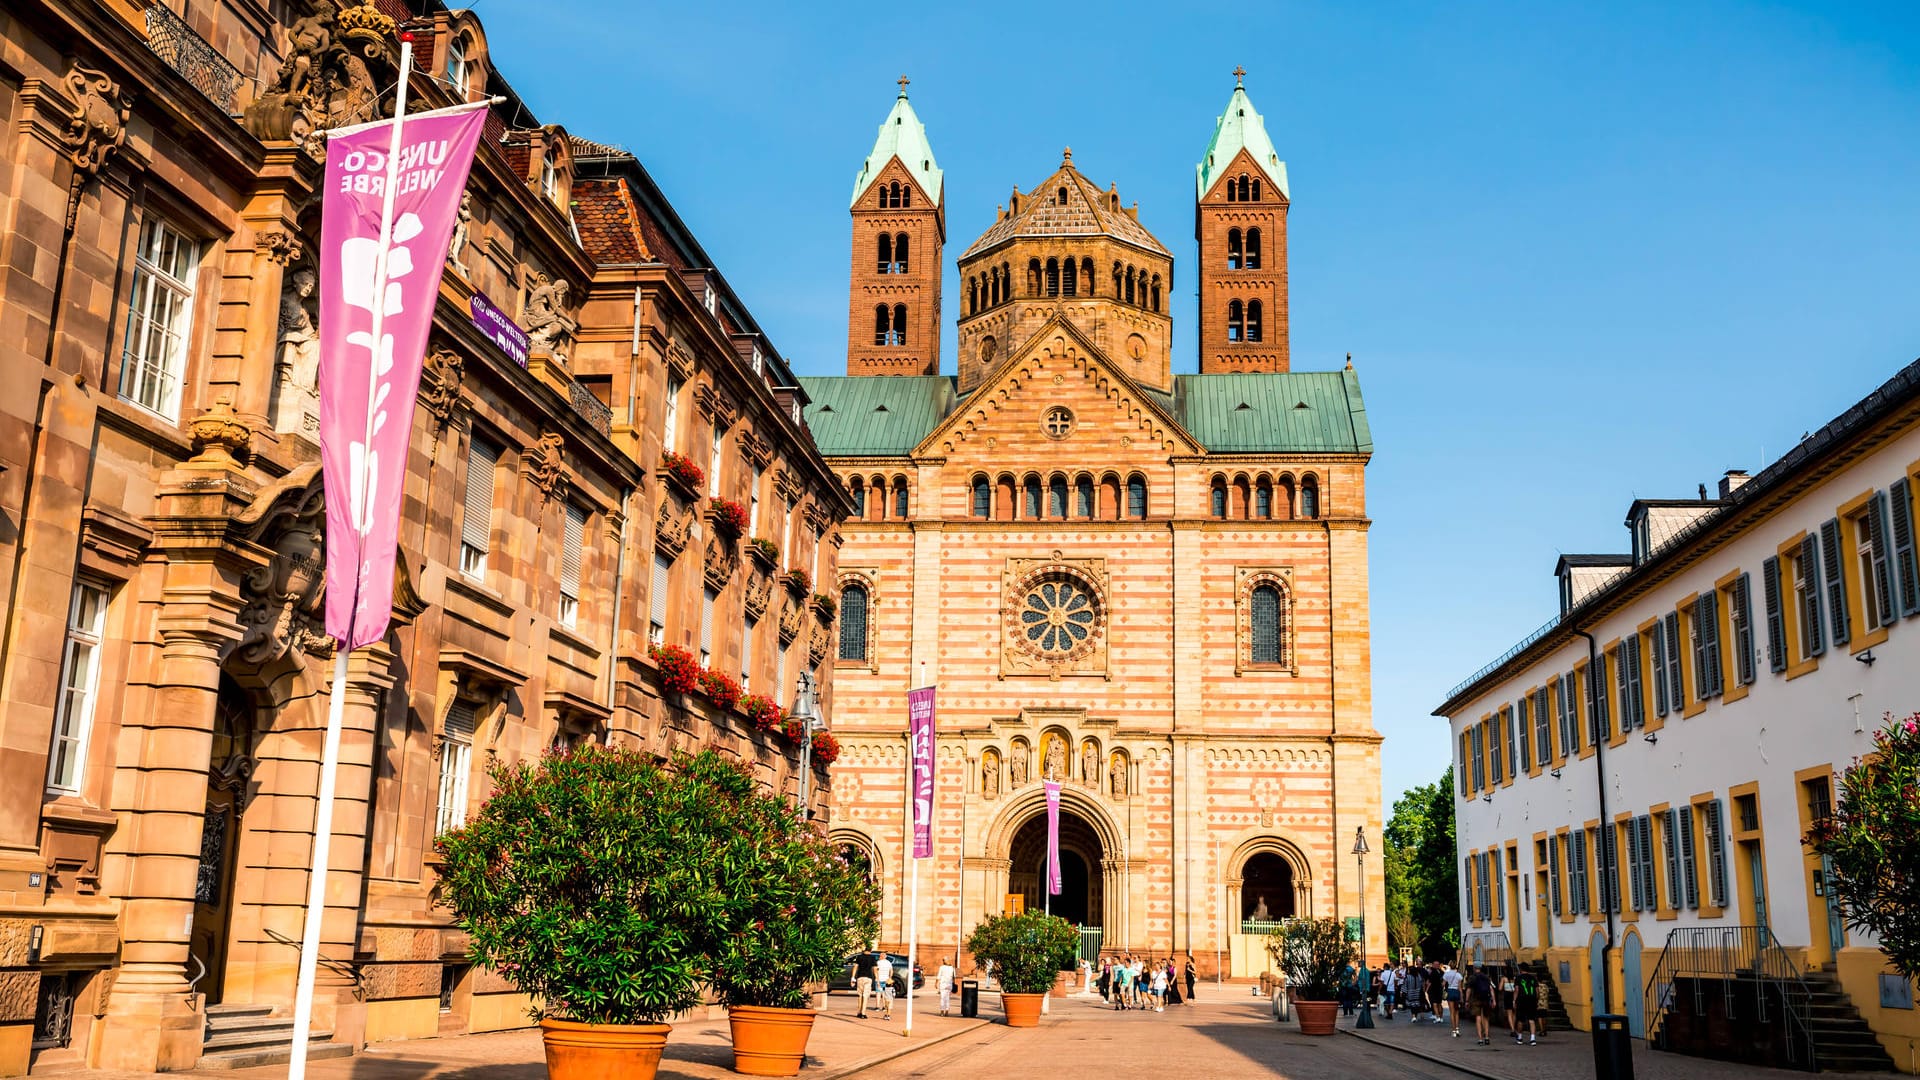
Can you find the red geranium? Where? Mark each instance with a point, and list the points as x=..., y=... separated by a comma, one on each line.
x=678, y=671
x=794, y=731
x=826, y=748
x=761, y=711
x=720, y=689
x=728, y=515
x=682, y=468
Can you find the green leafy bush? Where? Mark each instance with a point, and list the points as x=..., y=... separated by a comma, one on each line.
x=794, y=908
x=1028, y=951
x=1313, y=953
x=1873, y=839
x=587, y=879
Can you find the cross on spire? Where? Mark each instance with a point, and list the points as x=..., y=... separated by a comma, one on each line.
x=903, y=80
x=1239, y=76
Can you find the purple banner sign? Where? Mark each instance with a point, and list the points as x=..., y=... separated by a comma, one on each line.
x=920, y=728
x=1053, y=837
x=499, y=329
x=387, y=212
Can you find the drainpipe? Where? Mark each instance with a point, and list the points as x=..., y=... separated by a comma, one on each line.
x=1594, y=664
x=619, y=595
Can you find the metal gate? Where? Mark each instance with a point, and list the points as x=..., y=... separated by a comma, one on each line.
x=1090, y=937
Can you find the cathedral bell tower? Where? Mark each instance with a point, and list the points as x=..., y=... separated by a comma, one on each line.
x=899, y=227
x=1240, y=219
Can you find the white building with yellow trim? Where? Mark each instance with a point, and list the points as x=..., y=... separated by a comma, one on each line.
x=1636, y=776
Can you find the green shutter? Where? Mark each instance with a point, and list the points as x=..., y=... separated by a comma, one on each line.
x=1834, y=569
x=1659, y=669
x=1676, y=689
x=1742, y=597
x=1882, y=583
x=1776, y=624
x=1906, y=567
x=1810, y=618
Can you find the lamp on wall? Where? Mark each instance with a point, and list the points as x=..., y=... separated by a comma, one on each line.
x=1555, y=774
x=1652, y=737
x=1866, y=657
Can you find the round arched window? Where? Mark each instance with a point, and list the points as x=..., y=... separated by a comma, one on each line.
x=1058, y=422
x=1057, y=616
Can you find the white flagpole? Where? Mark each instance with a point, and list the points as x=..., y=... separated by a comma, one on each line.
x=337, y=702
x=913, y=890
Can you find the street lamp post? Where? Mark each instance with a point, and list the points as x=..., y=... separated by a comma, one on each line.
x=806, y=709
x=1360, y=850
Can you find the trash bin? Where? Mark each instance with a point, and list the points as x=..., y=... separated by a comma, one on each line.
x=1612, y=1048
x=969, y=998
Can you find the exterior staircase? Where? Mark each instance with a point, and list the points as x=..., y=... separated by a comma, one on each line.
x=242, y=1036
x=1554, y=1016
x=1842, y=1041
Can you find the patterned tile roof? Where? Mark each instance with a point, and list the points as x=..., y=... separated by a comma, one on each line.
x=1087, y=211
x=604, y=213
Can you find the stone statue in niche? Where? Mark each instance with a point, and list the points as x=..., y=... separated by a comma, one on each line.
x=1117, y=776
x=1090, y=765
x=548, y=324
x=990, y=776
x=461, y=228
x=1017, y=764
x=297, y=371
x=1056, y=759
x=326, y=80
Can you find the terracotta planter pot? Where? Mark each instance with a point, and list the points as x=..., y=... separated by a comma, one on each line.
x=1316, y=1017
x=767, y=1041
x=1023, y=1010
x=602, y=1051
x=1063, y=983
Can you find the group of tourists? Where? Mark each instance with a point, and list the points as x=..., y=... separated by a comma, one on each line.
x=1443, y=993
x=1133, y=982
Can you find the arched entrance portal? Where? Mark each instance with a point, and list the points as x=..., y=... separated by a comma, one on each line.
x=1266, y=889
x=1082, y=898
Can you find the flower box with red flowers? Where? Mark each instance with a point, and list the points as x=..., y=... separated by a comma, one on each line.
x=762, y=712
x=681, y=470
x=794, y=730
x=826, y=748
x=727, y=516
x=765, y=550
x=678, y=670
x=722, y=690
x=826, y=606
x=798, y=583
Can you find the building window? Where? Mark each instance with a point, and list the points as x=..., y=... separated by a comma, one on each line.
x=456, y=763
x=1252, y=260
x=857, y=489
x=153, y=358
x=662, y=576
x=1740, y=622
x=1633, y=698
x=79, y=684
x=746, y=651
x=1542, y=729
x=1083, y=497
x=670, y=428
x=1309, y=498
x=457, y=64
x=1058, y=423
x=1714, y=813
x=1236, y=321
x=1057, y=497
x=884, y=244
x=716, y=447
x=753, y=501
x=572, y=540
x=1776, y=620
x=1253, y=320
x=1233, y=249
x=1263, y=500
x=1219, y=496
x=1069, y=279
x=1266, y=625
x=1057, y=616
x=1870, y=552
x=1494, y=773
x=853, y=623
x=549, y=178
x=1705, y=625
x=1053, y=277
x=708, y=599
x=476, y=530
x=899, y=324
x=900, y=497
x=1136, y=496
x=982, y=497
x=1031, y=509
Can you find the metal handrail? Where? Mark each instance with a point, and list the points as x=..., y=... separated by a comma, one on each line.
x=197, y=61
x=1485, y=948
x=1730, y=956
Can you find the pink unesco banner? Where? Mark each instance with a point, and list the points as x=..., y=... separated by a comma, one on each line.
x=367, y=386
x=920, y=729
x=1053, y=837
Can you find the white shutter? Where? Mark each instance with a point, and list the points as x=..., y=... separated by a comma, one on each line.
x=662, y=575
x=708, y=599
x=572, y=538
x=476, y=529
x=746, y=653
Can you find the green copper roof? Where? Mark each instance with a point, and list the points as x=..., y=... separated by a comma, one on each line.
x=1285, y=412
x=1240, y=128
x=902, y=135
x=1293, y=411
x=871, y=415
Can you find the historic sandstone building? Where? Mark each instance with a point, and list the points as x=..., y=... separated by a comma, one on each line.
x=1150, y=586
x=162, y=679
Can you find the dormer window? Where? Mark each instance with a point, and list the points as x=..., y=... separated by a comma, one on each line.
x=459, y=66
x=549, y=180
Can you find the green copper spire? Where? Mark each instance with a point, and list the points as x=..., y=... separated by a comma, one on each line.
x=902, y=135
x=1240, y=128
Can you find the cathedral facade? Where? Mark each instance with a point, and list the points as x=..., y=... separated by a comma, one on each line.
x=1149, y=586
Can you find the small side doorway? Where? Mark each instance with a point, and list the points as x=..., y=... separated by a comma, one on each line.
x=230, y=766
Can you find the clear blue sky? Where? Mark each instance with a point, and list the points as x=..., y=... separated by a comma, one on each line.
x=1580, y=253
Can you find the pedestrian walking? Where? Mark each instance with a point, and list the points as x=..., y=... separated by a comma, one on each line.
x=1192, y=972
x=1527, y=1006
x=863, y=981
x=1436, y=987
x=945, y=979
x=1451, y=979
x=1157, y=989
x=1106, y=977
x=1347, y=990
x=1508, y=991
x=1173, y=983
x=883, y=976
x=1479, y=994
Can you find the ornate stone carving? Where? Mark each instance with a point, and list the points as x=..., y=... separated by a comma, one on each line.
x=325, y=80
x=281, y=602
x=755, y=449
x=790, y=615
x=817, y=644
x=759, y=591
x=1117, y=775
x=1054, y=762
x=787, y=484
x=1017, y=764
x=679, y=360
x=817, y=517
x=296, y=395
x=100, y=114
x=549, y=326
x=713, y=405
x=990, y=775
x=441, y=381
x=461, y=227
x=723, y=558
x=671, y=527
x=543, y=465
x=280, y=246
x=1054, y=617
x=220, y=438
x=1090, y=764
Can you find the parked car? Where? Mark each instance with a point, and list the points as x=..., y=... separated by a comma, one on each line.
x=844, y=980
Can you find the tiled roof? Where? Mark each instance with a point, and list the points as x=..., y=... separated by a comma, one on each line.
x=1085, y=213
x=603, y=212
x=873, y=414
x=1271, y=412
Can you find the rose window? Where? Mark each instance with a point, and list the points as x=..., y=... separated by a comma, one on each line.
x=1057, y=617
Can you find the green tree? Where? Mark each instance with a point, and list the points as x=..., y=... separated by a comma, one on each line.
x=1873, y=839
x=1423, y=880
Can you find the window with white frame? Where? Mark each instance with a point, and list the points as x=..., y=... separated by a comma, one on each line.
x=153, y=356
x=476, y=530
x=753, y=502
x=458, y=66
x=456, y=762
x=746, y=652
x=79, y=688
x=662, y=575
x=707, y=601
x=819, y=541
x=670, y=413
x=572, y=540
x=549, y=178
x=714, y=448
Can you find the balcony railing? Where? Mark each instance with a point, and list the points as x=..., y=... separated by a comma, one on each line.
x=590, y=408
x=172, y=40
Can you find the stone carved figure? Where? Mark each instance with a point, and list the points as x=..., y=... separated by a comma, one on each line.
x=1017, y=764
x=1056, y=759
x=548, y=323
x=100, y=114
x=1260, y=912
x=990, y=775
x=296, y=397
x=460, y=229
x=1117, y=776
x=281, y=602
x=325, y=80
x=1090, y=764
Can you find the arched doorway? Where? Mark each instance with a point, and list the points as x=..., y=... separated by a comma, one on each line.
x=1082, y=899
x=1266, y=889
x=229, y=768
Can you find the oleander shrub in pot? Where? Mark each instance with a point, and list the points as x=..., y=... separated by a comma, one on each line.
x=794, y=910
x=1313, y=953
x=1028, y=952
x=588, y=879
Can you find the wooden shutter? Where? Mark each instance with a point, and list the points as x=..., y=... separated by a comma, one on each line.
x=1553, y=873
x=1659, y=671
x=1882, y=583
x=1809, y=570
x=1610, y=868
x=1741, y=597
x=482, y=458
x=1776, y=622
x=1833, y=565
x=1599, y=715
x=571, y=540
x=1497, y=882
x=1905, y=565
x=1460, y=774
x=1651, y=896
x=1583, y=898
x=1706, y=627
x=1542, y=732
x=1512, y=749
x=1670, y=826
x=1524, y=723
x=1689, y=866
x=1676, y=689
x=1716, y=852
